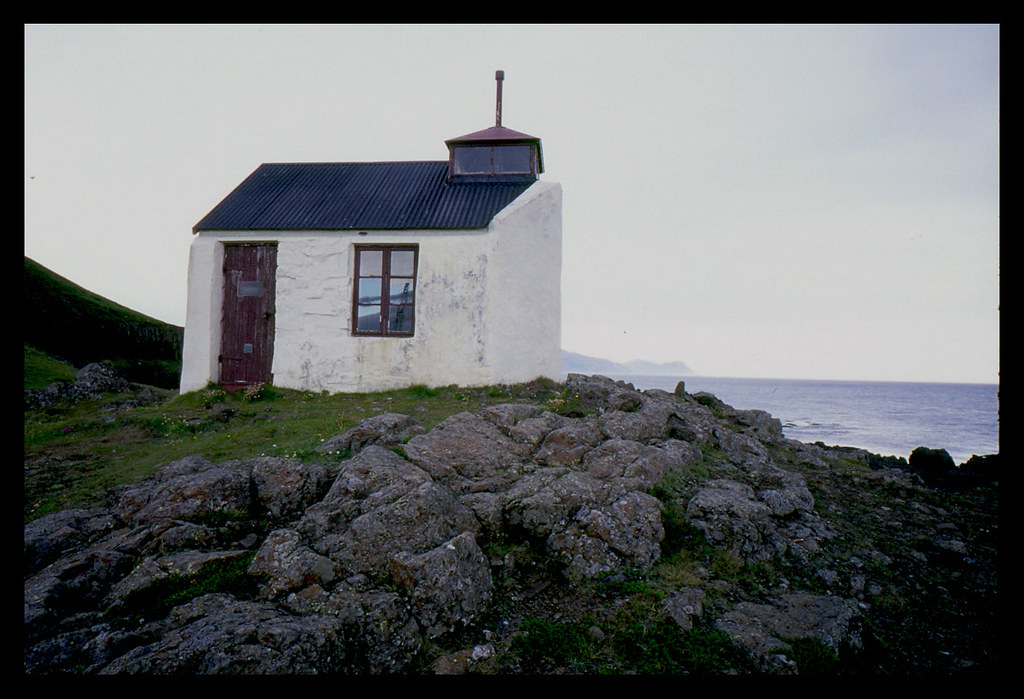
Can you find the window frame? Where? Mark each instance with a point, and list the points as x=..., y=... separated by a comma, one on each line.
x=386, y=278
x=492, y=158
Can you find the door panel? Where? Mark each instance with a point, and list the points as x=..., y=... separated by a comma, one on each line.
x=247, y=316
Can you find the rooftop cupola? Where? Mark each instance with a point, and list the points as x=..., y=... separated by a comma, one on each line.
x=494, y=154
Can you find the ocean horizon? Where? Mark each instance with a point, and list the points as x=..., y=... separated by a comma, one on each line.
x=890, y=418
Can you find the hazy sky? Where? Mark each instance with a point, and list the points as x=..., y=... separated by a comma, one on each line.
x=786, y=201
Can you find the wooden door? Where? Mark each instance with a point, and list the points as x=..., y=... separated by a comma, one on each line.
x=247, y=316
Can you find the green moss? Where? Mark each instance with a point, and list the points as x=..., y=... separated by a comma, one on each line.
x=420, y=391
x=219, y=519
x=542, y=646
x=662, y=647
x=637, y=585
x=813, y=657
x=228, y=575
x=681, y=535
x=571, y=404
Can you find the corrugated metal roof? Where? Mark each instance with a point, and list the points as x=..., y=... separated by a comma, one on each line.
x=346, y=196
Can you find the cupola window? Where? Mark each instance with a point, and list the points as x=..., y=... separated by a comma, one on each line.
x=493, y=160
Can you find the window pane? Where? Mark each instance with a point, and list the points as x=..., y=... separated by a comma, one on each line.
x=512, y=159
x=368, y=319
x=369, y=290
x=472, y=159
x=401, y=319
x=370, y=263
x=403, y=263
x=401, y=291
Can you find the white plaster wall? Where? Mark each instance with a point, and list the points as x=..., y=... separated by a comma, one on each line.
x=202, y=337
x=524, y=324
x=311, y=309
x=487, y=306
x=314, y=348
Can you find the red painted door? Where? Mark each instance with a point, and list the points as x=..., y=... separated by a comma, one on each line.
x=247, y=316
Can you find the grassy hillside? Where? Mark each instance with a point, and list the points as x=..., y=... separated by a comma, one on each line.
x=74, y=326
x=41, y=369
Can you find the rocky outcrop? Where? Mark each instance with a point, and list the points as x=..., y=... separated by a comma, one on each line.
x=388, y=429
x=91, y=381
x=767, y=629
x=937, y=468
x=272, y=565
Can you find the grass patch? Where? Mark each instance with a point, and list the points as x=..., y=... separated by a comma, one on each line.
x=662, y=648
x=543, y=646
x=637, y=644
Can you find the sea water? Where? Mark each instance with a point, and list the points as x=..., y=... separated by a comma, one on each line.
x=887, y=418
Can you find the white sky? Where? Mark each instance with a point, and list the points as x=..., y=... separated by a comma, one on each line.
x=783, y=201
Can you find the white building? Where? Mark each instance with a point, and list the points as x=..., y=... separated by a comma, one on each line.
x=353, y=277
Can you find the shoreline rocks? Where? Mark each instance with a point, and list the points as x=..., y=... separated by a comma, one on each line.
x=354, y=566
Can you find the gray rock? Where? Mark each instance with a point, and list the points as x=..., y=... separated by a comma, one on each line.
x=761, y=424
x=286, y=487
x=91, y=381
x=70, y=585
x=461, y=661
x=764, y=628
x=758, y=525
x=740, y=448
x=732, y=518
x=381, y=505
x=508, y=415
x=61, y=533
x=545, y=502
x=290, y=564
x=567, y=445
x=386, y=429
x=382, y=634
x=642, y=466
x=217, y=634
x=931, y=461
x=95, y=379
x=187, y=488
x=603, y=392
x=625, y=533
x=448, y=585
x=464, y=447
x=637, y=426
x=532, y=431
x=684, y=607
x=785, y=492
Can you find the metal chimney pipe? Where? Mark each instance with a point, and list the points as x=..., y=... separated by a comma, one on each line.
x=499, y=76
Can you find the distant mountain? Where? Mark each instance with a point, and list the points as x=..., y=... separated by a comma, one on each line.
x=645, y=368
x=78, y=326
x=582, y=364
